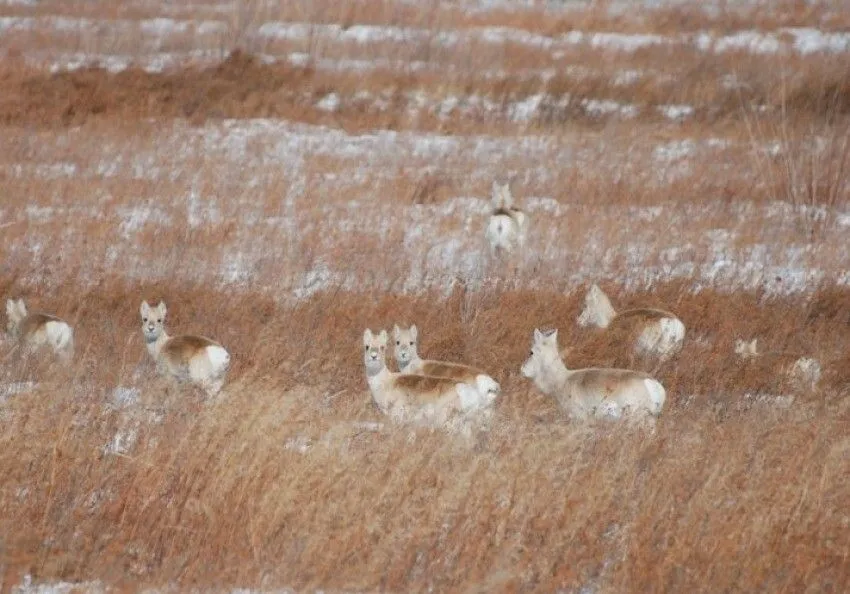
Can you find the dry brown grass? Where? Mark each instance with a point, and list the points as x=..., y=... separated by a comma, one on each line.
x=732, y=485
x=242, y=87
x=284, y=482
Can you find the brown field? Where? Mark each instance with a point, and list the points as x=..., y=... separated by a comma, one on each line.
x=282, y=223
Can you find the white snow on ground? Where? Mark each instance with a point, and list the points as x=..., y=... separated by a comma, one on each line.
x=299, y=249
x=788, y=39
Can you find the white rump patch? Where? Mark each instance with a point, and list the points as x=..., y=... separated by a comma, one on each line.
x=219, y=358
x=657, y=395
x=60, y=335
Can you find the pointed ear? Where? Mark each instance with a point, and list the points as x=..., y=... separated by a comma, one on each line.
x=144, y=309
x=161, y=310
x=396, y=331
x=22, y=308
x=367, y=336
x=383, y=336
x=414, y=333
x=554, y=336
x=11, y=309
x=496, y=195
x=537, y=335
x=507, y=197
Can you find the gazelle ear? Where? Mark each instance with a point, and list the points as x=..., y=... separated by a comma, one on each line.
x=396, y=331
x=537, y=336
x=11, y=309
x=22, y=308
x=496, y=197
x=414, y=333
x=367, y=336
x=144, y=309
x=507, y=197
x=161, y=309
x=383, y=337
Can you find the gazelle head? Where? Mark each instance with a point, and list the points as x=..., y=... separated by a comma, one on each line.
x=153, y=320
x=598, y=310
x=501, y=197
x=544, y=352
x=374, y=351
x=16, y=311
x=746, y=349
x=405, y=345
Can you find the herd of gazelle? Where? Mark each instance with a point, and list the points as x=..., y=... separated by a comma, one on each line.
x=440, y=393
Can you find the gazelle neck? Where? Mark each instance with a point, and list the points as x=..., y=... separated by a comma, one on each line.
x=155, y=346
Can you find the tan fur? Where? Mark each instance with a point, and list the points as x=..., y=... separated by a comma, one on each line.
x=653, y=331
x=592, y=392
x=803, y=372
x=406, y=350
x=507, y=226
x=420, y=399
x=37, y=330
x=188, y=358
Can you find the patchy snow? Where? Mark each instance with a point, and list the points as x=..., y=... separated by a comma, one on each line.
x=676, y=112
x=285, y=241
x=28, y=586
x=14, y=388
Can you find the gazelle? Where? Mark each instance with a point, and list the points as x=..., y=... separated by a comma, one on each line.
x=408, y=360
x=592, y=392
x=423, y=399
x=508, y=225
x=804, y=372
x=195, y=359
x=657, y=332
x=36, y=330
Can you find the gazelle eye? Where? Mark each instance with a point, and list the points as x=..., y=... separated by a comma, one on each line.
x=411, y=343
x=398, y=343
x=144, y=319
x=159, y=321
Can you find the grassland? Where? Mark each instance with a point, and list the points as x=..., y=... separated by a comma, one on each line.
x=285, y=196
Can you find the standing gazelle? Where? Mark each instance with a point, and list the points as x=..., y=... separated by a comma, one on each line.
x=196, y=359
x=408, y=360
x=804, y=372
x=591, y=392
x=36, y=330
x=507, y=226
x=424, y=399
x=657, y=332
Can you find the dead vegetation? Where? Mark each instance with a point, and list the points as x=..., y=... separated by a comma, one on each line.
x=283, y=483
x=294, y=479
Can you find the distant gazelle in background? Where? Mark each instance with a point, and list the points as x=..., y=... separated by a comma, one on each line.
x=656, y=332
x=508, y=225
x=195, y=359
x=804, y=372
x=36, y=330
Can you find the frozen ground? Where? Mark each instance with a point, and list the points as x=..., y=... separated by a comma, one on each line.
x=287, y=224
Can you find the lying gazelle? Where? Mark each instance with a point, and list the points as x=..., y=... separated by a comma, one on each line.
x=657, y=332
x=507, y=226
x=429, y=400
x=804, y=371
x=36, y=330
x=408, y=360
x=592, y=392
x=195, y=359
